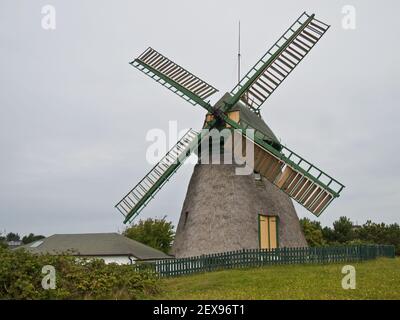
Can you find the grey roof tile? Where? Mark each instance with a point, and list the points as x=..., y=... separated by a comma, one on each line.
x=95, y=244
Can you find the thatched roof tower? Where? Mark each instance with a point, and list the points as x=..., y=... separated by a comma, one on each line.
x=222, y=210
x=221, y=213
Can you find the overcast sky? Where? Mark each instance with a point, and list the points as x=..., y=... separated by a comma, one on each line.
x=74, y=114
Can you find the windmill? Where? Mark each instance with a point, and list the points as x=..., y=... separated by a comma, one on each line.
x=223, y=211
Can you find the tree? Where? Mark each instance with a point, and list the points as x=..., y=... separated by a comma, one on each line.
x=313, y=232
x=31, y=238
x=380, y=233
x=329, y=235
x=11, y=236
x=3, y=243
x=156, y=233
x=344, y=233
x=393, y=236
x=343, y=230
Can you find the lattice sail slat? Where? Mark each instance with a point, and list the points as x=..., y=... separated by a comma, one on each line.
x=138, y=197
x=280, y=60
x=174, y=77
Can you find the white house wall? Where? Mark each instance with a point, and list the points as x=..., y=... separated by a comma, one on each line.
x=114, y=259
x=118, y=259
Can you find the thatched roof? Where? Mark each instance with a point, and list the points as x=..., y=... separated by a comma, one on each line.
x=250, y=118
x=255, y=121
x=220, y=212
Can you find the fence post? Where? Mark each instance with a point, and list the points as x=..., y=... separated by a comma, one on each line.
x=363, y=254
x=285, y=255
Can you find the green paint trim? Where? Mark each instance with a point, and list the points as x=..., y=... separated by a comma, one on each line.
x=269, y=232
x=259, y=231
x=277, y=231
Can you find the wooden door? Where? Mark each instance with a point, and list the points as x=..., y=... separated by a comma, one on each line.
x=268, y=232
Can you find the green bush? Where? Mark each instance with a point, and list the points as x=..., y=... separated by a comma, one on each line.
x=21, y=277
x=156, y=233
x=313, y=232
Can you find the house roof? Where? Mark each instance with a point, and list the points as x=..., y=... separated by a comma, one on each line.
x=94, y=244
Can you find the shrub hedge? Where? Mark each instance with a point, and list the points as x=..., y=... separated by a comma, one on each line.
x=21, y=276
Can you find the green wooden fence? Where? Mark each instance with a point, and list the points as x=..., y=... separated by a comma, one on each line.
x=250, y=258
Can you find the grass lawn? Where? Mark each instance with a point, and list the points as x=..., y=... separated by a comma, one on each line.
x=377, y=279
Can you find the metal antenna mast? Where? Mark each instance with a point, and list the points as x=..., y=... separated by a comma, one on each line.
x=239, y=55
